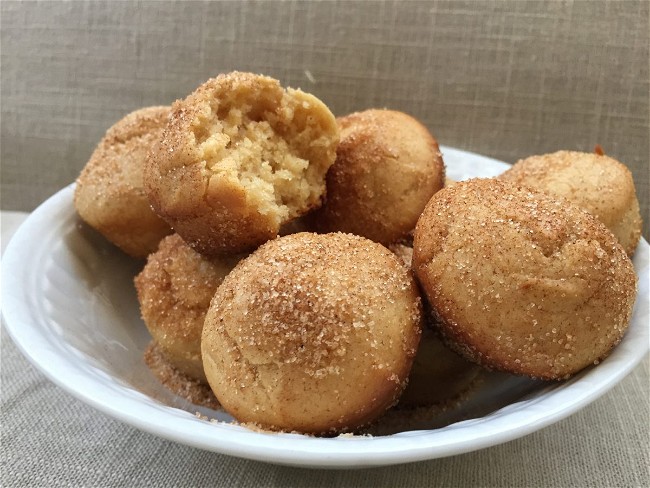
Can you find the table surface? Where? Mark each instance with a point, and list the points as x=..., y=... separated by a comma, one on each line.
x=51, y=439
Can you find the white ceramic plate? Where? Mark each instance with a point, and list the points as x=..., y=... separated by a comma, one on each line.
x=70, y=306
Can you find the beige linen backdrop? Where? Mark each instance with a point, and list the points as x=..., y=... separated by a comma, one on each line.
x=507, y=79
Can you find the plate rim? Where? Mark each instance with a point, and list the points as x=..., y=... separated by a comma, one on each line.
x=337, y=452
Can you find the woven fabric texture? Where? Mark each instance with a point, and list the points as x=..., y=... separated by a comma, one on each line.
x=503, y=78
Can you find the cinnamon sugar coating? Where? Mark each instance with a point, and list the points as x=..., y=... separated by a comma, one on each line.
x=110, y=196
x=312, y=333
x=522, y=282
x=174, y=290
x=240, y=157
x=599, y=184
x=387, y=168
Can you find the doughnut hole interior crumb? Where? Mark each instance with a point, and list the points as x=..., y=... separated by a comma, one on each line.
x=312, y=333
x=235, y=142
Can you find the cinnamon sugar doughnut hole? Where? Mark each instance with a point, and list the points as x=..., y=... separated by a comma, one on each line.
x=110, y=196
x=312, y=333
x=240, y=157
x=174, y=290
x=387, y=168
x=601, y=185
x=522, y=282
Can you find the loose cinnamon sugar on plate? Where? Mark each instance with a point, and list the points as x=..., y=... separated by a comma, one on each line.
x=433, y=415
x=191, y=390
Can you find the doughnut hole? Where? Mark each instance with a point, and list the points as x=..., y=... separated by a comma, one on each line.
x=312, y=333
x=387, y=168
x=522, y=282
x=110, y=196
x=240, y=157
x=174, y=291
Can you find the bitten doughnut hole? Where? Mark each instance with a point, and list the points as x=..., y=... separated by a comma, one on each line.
x=267, y=154
x=241, y=157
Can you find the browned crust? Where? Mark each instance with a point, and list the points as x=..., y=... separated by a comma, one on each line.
x=522, y=282
x=387, y=167
x=110, y=195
